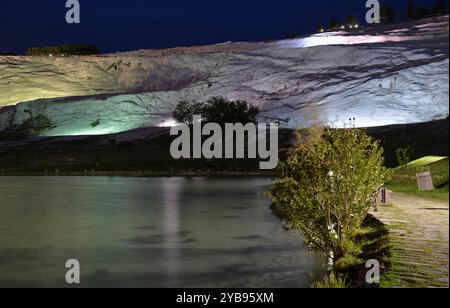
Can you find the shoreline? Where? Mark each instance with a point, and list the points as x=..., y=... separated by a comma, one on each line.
x=139, y=174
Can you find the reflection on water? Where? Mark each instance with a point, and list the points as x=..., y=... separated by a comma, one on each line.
x=147, y=232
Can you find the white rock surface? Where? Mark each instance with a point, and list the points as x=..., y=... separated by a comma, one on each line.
x=382, y=75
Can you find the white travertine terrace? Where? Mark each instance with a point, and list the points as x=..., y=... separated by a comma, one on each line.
x=382, y=75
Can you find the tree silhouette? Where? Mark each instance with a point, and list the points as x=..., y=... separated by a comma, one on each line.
x=334, y=24
x=66, y=49
x=216, y=110
x=440, y=7
x=411, y=9
x=421, y=12
x=351, y=20
x=387, y=13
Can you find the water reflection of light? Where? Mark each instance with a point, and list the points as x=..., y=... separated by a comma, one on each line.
x=171, y=190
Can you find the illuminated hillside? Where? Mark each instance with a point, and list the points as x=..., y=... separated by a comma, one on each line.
x=382, y=75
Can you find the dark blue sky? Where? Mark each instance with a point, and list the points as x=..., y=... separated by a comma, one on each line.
x=133, y=24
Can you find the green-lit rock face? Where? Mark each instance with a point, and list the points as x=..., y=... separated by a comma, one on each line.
x=376, y=77
x=89, y=116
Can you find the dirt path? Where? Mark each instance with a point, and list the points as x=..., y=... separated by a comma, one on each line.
x=419, y=234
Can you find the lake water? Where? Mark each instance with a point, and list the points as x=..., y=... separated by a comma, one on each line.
x=147, y=232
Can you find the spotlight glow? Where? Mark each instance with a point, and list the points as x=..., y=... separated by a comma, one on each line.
x=168, y=123
x=339, y=38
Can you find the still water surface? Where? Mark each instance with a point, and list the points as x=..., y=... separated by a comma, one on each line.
x=147, y=232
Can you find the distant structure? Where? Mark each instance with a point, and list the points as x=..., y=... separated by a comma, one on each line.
x=352, y=122
x=384, y=197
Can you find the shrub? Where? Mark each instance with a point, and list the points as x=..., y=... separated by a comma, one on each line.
x=331, y=183
x=66, y=49
x=387, y=13
x=404, y=155
x=34, y=126
x=185, y=112
x=440, y=7
x=331, y=281
x=95, y=123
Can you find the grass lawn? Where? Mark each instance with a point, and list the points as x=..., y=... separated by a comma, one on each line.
x=371, y=242
x=404, y=178
x=437, y=165
x=439, y=194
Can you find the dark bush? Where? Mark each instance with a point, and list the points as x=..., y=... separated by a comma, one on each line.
x=421, y=12
x=440, y=7
x=411, y=9
x=334, y=24
x=67, y=49
x=185, y=112
x=387, y=14
x=216, y=110
x=351, y=20
x=34, y=126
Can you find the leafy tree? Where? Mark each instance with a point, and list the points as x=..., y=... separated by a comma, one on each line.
x=387, y=13
x=404, y=155
x=411, y=9
x=216, y=110
x=332, y=181
x=334, y=24
x=185, y=111
x=220, y=110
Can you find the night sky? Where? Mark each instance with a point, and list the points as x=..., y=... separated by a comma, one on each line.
x=134, y=24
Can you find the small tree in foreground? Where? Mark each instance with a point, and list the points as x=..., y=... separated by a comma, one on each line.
x=332, y=183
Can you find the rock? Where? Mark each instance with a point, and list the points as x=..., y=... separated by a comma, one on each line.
x=395, y=74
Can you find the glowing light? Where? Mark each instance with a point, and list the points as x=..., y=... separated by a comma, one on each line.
x=104, y=128
x=84, y=132
x=339, y=38
x=168, y=123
